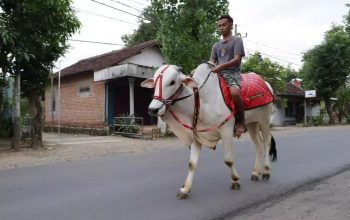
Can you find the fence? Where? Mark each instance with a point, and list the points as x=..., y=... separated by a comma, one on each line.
x=128, y=126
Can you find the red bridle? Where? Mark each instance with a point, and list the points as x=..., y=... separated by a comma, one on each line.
x=172, y=99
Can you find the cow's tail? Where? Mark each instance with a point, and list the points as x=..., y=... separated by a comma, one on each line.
x=273, y=150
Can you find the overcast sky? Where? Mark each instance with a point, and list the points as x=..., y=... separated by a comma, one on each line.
x=280, y=29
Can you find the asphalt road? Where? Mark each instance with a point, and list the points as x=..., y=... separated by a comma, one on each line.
x=144, y=186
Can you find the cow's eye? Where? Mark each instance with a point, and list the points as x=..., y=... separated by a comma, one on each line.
x=172, y=83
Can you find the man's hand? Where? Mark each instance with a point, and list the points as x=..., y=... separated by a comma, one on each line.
x=218, y=68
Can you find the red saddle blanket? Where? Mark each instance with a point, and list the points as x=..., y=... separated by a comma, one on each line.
x=254, y=91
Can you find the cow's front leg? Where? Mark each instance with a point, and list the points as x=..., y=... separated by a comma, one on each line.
x=192, y=165
x=253, y=130
x=229, y=161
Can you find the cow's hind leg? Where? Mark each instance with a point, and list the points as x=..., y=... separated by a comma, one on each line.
x=253, y=130
x=192, y=165
x=229, y=160
x=266, y=137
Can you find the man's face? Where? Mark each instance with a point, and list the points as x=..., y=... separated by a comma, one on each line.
x=224, y=27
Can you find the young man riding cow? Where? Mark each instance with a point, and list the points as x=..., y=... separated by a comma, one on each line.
x=227, y=55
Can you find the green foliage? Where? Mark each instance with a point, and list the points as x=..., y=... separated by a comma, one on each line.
x=274, y=73
x=35, y=34
x=187, y=29
x=6, y=126
x=348, y=120
x=24, y=108
x=127, y=124
x=280, y=102
x=343, y=95
x=327, y=65
x=316, y=121
x=146, y=31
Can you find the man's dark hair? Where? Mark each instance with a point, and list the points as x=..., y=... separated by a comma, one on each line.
x=228, y=17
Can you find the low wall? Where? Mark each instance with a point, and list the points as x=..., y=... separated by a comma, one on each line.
x=78, y=130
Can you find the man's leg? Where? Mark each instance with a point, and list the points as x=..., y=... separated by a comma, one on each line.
x=239, y=123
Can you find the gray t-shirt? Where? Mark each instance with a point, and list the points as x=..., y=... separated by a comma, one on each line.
x=222, y=52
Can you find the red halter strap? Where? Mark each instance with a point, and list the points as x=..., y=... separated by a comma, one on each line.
x=160, y=80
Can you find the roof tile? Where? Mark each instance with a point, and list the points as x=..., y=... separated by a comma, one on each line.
x=107, y=59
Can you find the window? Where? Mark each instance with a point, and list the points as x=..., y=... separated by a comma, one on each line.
x=85, y=89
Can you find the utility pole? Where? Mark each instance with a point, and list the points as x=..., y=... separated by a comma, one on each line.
x=239, y=34
x=52, y=103
x=17, y=111
x=59, y=99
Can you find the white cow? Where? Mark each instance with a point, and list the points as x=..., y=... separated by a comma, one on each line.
x=174, y=102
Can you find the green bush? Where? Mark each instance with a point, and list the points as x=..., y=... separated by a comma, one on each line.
x=348, y=120
x=317, y=121
x=6, y=127
x=127, y=125
x=314, y=120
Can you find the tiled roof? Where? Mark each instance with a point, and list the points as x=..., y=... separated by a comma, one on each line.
x=107, y=59
x=293, y=89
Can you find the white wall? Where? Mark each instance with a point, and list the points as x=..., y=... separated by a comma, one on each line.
x=277, y=117
x=150, y=57
x=314, y=111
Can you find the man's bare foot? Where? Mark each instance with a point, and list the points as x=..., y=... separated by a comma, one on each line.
x=239, y=130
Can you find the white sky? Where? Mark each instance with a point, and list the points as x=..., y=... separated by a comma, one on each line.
x=281, y=29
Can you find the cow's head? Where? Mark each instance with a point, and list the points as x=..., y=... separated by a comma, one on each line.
x=167, y=82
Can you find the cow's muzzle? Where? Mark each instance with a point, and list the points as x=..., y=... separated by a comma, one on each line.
x=153, y=111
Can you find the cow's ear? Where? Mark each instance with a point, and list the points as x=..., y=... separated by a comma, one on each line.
x=189, y=82
x=148, y=83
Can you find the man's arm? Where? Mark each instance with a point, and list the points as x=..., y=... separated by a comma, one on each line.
x=213, y=58
x=235, y=61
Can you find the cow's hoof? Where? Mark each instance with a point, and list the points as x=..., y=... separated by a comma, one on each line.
x=254, y=178
x=266, y=176
x=181, y=195
x=235, y=186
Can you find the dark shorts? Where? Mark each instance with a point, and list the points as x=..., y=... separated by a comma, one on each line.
x=232, y=78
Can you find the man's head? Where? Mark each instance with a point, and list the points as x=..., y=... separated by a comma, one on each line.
x=225, y=24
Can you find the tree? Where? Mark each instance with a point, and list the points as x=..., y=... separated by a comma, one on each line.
x=327, y=65
x=343, y=95
x=272, y=72
x=6, y=43
x=187, y=29
x=145, y=32
x=41, y=29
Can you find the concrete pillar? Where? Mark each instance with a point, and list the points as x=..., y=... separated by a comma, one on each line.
x=131, y=95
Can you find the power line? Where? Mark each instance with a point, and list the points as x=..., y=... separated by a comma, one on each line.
x=117, y=9
x=275, y=57
x=138, y=2
x=300, y=45
x=95, y=42
x=126, y=5
x=265, y=45
x=104, y=16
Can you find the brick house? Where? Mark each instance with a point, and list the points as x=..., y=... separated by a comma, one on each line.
x=95, y=90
